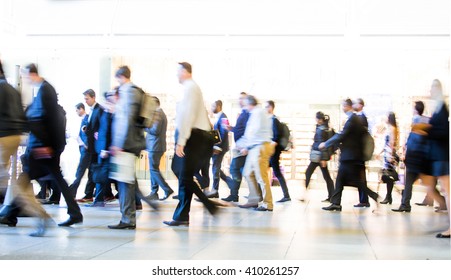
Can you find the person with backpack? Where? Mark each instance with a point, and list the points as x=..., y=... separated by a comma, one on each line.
x=274, y=161
x=352, y=160
x=320, y=158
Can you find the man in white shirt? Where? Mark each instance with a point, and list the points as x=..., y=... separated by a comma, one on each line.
x=193, y=146
x=258, y=145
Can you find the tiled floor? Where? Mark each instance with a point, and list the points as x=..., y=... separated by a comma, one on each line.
x=295, y=230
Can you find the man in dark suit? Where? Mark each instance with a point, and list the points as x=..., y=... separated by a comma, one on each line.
x=352, y=166
x=85, y=159
x=156, y=147
x=91, y=129
x=219, y=150
x=47, y=140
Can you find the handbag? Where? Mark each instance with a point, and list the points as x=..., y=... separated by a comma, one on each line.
x=389, y=175
x=315, y=156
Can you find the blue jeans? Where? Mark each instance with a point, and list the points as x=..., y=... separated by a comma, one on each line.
x=236, y=171
x=156, y=179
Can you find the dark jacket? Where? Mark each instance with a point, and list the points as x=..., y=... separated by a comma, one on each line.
x=156, y=135
x=12, y=116
x=350, y=139
x=238, y=130
x=93, y=126
x=438, y=135
x=224, y=145
x=104, y=136
x=82, y=134
x=47, y=120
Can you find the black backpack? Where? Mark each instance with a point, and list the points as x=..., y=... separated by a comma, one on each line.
x=285, y=140
x=146, y=110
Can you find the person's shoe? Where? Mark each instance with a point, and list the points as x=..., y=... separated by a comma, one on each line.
x=424, y=204
x=285, y=199
x=71, y=221
x=109, y=198
x=262, y=209
x=85, y=199
x=386, y=201
x=403, y=208
x=122, y=225
x=213, y=194
x=441, y=210
x=152, y=203
x=326, y=200
x=139, y=207
x=332, y=207
x=174, y=223
x=152, y=196
x=49, y=202
x=230, y=198
x=365, y=204
x=96, y=204
x=175, y=197
x=248, y=205
x=43, y=224
x=167, y=195
x=441, y=235
x=11, y=222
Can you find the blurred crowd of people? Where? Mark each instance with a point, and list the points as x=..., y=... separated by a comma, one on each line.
x=111, y=137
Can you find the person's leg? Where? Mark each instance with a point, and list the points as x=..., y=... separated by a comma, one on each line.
x=261, y=174
x=328, y=179
x=85, y=161
x=216, y=170
x=444, y=185
x=127, y=203
x=275, y=164
x=308, y=173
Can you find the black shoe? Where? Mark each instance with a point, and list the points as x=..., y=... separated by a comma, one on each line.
x=424, y=204
x=332, y=207
x=175, y=197
x=261, y=208
x=122, y=225
x=11, y=222
x=153, y=196
x=213, y=195
x=367, y=204
x=402, y=208
x=386, y=201
x=167, y=195
x=441, y=235
x=176, y=223
x=49, y=202
x=285, y=199
x=230, y=198
x=71, y=221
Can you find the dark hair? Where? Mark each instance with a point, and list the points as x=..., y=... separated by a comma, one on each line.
x=218, y=103
x=321, y=116
x=32, y=68
x=80, y=105
x=419, y=107
x=271, y=103
x=348, y=102
x=252, y=100
x=124, y=71
x=1, y=68
x=156, y=100
x=392, y=119
x=360, y=101
x=90, y=92
x=187, y=67
x=243, y=93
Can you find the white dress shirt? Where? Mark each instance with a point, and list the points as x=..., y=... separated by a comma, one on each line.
x=258, y=129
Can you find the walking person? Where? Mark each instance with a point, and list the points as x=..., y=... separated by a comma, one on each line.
x=274, y=161
x=320, y=158
x=193, y=146
x=257, y=144
x=351, y=171
x=156, y=147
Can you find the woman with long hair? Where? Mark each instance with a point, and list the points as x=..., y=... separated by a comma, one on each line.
x=391, y=159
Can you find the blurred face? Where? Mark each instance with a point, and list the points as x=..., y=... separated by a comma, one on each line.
x=319, y=121
x=241, y=100
x=182, y=74
x=436, y=90
x=90, y=100
x=80, y=112
x=346, y=108
x=269, y=108
x=214, y=108
x=28, y=77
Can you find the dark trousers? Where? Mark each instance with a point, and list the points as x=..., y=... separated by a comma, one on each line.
x=48, y=184
x=216, y=170
x=203, y=175
x=156, y=179
x=274, y=162
x=84, y=163
x=198, y=151
x=411, y=177
x=51, y=167
x=351, y=173
x=326, y=175
x=236, y=172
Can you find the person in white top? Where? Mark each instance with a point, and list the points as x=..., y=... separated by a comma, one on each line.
x=257, y=144
x=194, y=147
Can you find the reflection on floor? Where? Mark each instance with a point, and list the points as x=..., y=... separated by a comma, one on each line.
x=295, y=230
